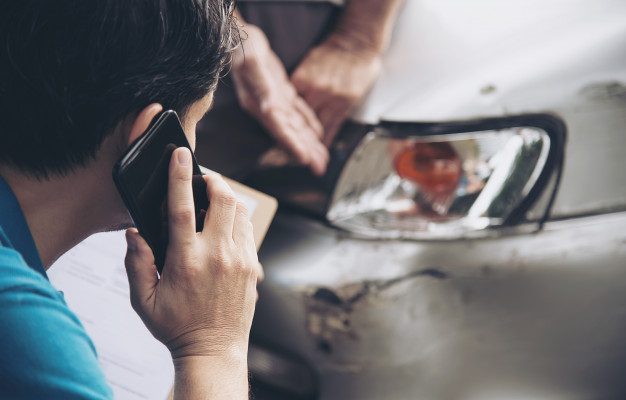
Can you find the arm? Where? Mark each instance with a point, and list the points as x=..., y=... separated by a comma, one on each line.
x=367, y=24
x=202, y=306
x=221, y=377
x=45, y=352
x=335, y=76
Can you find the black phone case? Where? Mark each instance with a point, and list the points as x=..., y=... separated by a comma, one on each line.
x=141, y=177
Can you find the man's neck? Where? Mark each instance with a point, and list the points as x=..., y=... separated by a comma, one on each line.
x=62, y=211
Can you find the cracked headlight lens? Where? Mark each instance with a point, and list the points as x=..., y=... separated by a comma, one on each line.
x=438, y=186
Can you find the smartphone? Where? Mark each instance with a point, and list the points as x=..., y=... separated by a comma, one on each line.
x=141, y=177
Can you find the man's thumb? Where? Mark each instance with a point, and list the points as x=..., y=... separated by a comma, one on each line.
x=142, y=274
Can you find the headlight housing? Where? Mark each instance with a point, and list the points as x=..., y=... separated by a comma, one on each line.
x=430, y=181
x=445, y=181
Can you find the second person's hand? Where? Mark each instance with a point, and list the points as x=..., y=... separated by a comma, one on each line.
x=334, y=77
x=265, y=91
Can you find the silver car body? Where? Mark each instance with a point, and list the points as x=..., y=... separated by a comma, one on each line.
x=518, y=316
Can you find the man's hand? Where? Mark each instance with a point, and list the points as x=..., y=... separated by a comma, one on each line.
x=334, y=77
x=264, y=90
x=202, y=306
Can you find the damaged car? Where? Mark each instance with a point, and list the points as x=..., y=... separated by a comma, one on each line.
x=468, y=239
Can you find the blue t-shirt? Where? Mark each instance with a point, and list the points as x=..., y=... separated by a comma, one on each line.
x=45, y=352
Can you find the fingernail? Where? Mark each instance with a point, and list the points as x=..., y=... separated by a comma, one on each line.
x=131, y=241
x=184, y=157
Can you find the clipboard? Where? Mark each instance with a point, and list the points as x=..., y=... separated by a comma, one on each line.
x=261, y=207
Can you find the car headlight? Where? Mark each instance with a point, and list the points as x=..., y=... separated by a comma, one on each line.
x=442, y=181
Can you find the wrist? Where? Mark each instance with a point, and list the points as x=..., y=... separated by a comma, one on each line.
x=230, y=363
x=222, y=376
x=357, y=40
x=232, y=359
x=208, y=343
x=253, y=41
x=367, y=25
x=355, y=43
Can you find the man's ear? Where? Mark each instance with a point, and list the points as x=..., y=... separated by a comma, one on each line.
x=143, y=120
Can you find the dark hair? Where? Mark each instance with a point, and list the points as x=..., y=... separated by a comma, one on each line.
x=72, y=70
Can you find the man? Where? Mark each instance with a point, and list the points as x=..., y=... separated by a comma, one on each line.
x=80, y=81
x=304, y=66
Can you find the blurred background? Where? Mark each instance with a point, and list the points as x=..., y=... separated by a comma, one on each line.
x=465, y=239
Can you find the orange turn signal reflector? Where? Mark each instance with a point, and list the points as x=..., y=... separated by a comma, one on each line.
x=435, y=166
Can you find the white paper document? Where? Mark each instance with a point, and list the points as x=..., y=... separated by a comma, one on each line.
x=93, y=280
